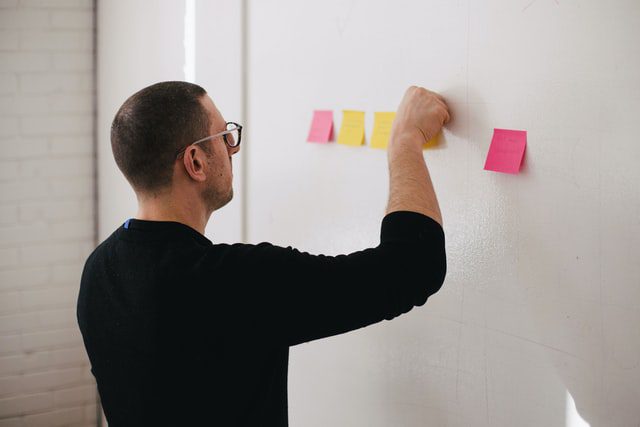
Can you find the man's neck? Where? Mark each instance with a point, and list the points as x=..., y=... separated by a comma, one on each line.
x=169, y=209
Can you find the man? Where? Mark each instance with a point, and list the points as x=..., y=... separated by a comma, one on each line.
x=182, y=331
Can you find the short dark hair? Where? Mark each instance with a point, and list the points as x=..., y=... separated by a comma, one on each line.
x=153, y=125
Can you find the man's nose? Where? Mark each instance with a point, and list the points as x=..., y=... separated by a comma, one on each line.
x=233, y=150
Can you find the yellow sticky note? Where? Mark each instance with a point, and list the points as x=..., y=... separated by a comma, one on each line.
x=381, y=129
x=432, y=143
x=352, y=128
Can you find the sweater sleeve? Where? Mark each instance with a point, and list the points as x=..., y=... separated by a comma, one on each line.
x=295, y=297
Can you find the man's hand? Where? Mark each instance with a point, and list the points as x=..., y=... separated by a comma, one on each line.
x=420, y=116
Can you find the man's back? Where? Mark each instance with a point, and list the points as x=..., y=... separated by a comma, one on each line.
x=180, y=331
x=165, y=342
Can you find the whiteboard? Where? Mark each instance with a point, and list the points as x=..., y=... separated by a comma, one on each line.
x=538, y=322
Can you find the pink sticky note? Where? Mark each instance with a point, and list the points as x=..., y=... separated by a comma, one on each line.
x=321, y=127
x=506, y=151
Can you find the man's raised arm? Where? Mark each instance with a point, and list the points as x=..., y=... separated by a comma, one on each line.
x=420, y=116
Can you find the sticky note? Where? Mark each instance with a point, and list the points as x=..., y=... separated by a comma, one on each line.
x=382, y=123
x=321, y=126
x=381, y=129
x=432, y=142
x=352, y=128
x=506, y=151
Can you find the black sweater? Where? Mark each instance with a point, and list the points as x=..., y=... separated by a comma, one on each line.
x=181, y=331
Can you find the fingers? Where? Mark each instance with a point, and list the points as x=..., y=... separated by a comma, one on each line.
x=443, y=104
x=446, y=118
x=427, y=91
x=437, y=95
x=447, y=115
x=429, y=103
x=434, y=94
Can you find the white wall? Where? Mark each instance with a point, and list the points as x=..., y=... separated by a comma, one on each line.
x=46, y=210
x=141, y=43
x=540, y=307
x=218, y=69
x=537, y=321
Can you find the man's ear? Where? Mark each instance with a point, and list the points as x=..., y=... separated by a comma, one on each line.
x=194, y=162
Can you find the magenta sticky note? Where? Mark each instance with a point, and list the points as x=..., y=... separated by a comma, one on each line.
x=321, y=126
x=506, y=151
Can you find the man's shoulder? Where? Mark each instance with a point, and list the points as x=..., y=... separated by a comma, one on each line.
x=252, y=250
x=244, y=256
x=103, y=247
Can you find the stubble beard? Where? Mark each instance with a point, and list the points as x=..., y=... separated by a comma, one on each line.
x=215, y=198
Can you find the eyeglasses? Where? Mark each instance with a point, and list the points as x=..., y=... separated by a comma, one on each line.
x=231, y=136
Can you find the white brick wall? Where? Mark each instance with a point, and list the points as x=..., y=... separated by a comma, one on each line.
x=46, y=210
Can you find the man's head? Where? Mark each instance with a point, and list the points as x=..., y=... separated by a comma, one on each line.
x=154, y=125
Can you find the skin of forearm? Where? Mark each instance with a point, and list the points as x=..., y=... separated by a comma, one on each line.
x=410, y=186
